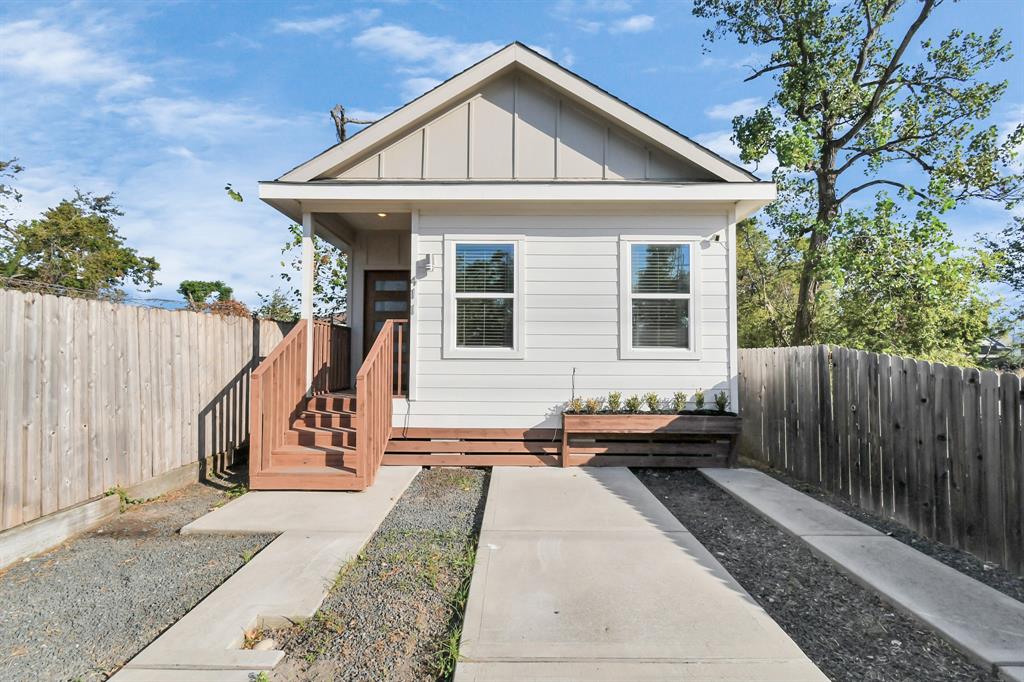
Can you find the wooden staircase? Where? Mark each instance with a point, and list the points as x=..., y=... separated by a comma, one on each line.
x=318, y=452
x=334, y=440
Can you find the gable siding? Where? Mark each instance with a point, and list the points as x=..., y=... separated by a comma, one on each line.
x=571, y=310
x=517, y=128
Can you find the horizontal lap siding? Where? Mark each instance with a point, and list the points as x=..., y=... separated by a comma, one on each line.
x=571, y=312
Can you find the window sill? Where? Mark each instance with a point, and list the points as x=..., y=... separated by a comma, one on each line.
x=659, y=354
x=482, y=353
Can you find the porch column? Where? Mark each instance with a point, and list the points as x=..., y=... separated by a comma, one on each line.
x=307, y=292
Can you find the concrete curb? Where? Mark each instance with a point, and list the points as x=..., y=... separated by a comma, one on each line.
x=983, y=623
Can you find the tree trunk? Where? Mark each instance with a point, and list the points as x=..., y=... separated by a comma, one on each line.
x=828, y=208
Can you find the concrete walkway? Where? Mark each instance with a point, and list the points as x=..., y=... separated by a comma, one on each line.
x=287, y=581
x=982, y=622
x=582, y=574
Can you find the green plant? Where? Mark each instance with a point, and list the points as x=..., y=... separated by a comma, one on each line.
x=247, y=555
x=633, y=403
x=593, y=405
x=653, y=402
x=261, y=677
x=614, y=401
x=678, y=401
x=447, y=656
x=575, y=406
x=123, y=500
x=698, y=399
x=721, y=401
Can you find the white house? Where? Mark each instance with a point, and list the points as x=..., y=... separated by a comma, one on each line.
x=542, y=238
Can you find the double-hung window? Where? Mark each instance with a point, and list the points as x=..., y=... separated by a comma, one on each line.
x=658, y=311
x=483, y=307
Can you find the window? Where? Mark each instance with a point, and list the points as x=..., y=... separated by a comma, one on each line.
x=482, y=311
x=657, y=299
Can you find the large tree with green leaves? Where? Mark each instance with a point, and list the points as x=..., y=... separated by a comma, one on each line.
x=864, y=100
x=75, y=245
x=330, y=276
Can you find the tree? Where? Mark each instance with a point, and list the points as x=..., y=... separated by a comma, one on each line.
x=76, y=245
x=851, y=102
x=767, y=278
x=1009, y=247
x=197, y=292
x=899, y=286
x=330, y=275
x=9, y=170
x=276, y=306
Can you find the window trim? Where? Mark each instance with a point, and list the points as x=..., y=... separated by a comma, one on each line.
x=449, y=349
x=626, y=349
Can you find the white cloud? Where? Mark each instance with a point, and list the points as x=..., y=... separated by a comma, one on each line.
x=720, y=142
x=638, y=23
x=414, y=87
x=438, y=55
x=193, y=117
x=52, y=55
x=426, y=59
x=741, y=107
x=318, y=25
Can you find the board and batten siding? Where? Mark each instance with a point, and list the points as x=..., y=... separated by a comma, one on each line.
x=517, y=127
x=571, y=316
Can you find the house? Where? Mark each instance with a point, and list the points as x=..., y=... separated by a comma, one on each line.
x=515, y=236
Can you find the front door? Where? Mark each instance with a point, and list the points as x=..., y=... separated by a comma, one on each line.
x=386, y=297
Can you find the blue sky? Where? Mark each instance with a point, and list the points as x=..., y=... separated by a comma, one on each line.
x=163, y=103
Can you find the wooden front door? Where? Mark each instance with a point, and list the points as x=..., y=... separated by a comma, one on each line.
x=386, y=297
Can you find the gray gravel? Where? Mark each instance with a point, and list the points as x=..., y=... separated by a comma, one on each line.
x=82, y=610
x=395, y=609
x=992, y=575
x=845, y=629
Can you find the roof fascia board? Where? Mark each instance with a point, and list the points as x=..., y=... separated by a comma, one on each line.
x=429, y=192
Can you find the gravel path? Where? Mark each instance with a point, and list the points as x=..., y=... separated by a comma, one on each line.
x=396, y=609
x=845, y=629
x=992, y=575
x=80, y=611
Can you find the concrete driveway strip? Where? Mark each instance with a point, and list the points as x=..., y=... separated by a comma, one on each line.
x=287, y=581
x=984, y=623
x=582, y=574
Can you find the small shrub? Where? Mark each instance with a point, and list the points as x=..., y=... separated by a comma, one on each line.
x=633, y=403
x=722, y=401
x=575, y=406
x=698, y=399
x=678, y=401
x=653, y=402
x=615, y=401
x=593, y=405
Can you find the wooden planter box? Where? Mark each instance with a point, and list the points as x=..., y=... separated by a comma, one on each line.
x=671, y=440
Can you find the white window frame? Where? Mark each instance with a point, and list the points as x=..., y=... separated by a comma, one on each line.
x=449, y=349
x=626, y=349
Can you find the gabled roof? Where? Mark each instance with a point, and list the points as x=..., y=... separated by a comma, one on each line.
x=515, y=56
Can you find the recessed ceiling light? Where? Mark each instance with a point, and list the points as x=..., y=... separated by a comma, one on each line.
x=382, y=215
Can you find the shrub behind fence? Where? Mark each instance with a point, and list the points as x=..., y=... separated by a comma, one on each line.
x=97, y=394
x=938, y=448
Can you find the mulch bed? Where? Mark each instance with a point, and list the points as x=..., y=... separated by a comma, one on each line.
x=986, y=572
x=82, y=610
x=844, y=628
x=395, y=612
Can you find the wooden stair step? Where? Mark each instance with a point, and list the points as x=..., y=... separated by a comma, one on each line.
x=322, y=419
x=318, y=436
x=305, y=455
x=306, y=478
x=333, y=402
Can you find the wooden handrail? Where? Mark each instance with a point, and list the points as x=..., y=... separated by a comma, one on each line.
x=278, y=386
x=375, y=387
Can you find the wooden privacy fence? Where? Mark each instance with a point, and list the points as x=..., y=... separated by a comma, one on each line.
x=939, y=448
x=97, y=394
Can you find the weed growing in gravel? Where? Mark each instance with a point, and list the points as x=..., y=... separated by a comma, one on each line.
x=231, y=493
x=448, y=655
x=462, y=482
x=252, y=637
x=261, y=677
x=123, y=500
x=247, y=555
